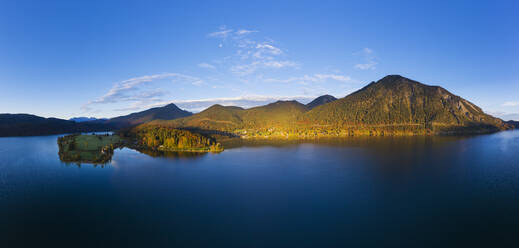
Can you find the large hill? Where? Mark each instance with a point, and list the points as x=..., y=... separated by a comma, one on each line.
x=396, y=103
x=30, y=125
x=280, y=114
x=168, y=112
x=392, y=105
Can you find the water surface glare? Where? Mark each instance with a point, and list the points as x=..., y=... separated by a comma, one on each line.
x=400, y=191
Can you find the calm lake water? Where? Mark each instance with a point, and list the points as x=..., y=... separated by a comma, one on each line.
x=415, y=191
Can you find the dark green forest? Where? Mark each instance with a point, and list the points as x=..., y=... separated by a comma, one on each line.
x=169, y=139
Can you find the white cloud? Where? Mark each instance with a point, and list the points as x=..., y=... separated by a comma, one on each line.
x=245, y=31
x=288, y=80
x=247, y=69
x=120, y=90
x=369, y=59
x=335, y=77
x=366, y=66
x=266, y=49
x=279, y=64
x=223, y=33
x=252, y=56
x=206, y=65
x=131, y=90
x=311, y=78
x=510, y=104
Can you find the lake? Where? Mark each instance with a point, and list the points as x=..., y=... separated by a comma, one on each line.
x=370, y=191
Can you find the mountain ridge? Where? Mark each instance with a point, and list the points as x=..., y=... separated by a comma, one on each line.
x=393, y=105
x=167, y=112
x=396, y=100
x=31, y=125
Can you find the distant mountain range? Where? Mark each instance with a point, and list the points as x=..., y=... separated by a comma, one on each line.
x=230, y=118
x=168, y=112
x=31, y=125
x=392, y=105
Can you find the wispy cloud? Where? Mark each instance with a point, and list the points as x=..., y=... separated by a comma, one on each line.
x=366, y=66
x=369, y=59
x=251, y=68
x=311, y=78
x=253, y=55
x=207, y=66
x=246, y=59
x=510, y=104
x=245, y=31
x=266, y=49
x=222, y=33
x=131, y=90
x=341, y=78
x=279, y=64
x=120, y=91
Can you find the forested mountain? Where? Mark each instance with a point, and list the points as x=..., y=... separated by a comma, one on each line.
x=216, y=117
x=396, y=103
x=30, y=125
x=279, y=114
x=320, y=101
x=274, y=115
x=168, y=112
x=393, y=105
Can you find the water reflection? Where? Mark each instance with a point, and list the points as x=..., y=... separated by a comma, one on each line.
x=85, y=157
x=81, y=164
x=384, y=143
x=172, y=154
x=389, y=150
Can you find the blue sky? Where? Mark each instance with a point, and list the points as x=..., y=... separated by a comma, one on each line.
x=109, y=58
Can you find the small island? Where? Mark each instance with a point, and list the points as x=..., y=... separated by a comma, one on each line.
x=98, y=149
